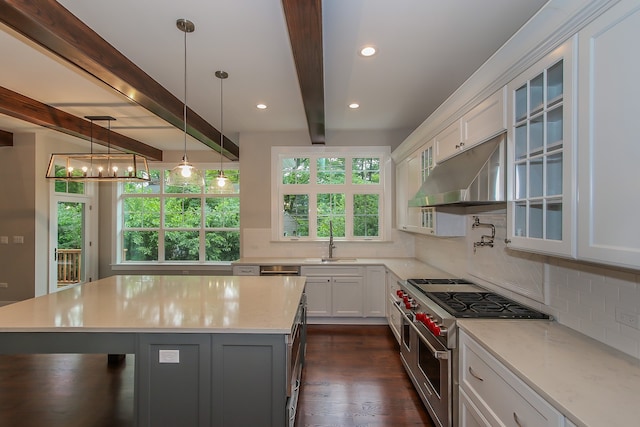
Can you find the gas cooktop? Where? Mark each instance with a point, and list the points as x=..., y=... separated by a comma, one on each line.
x=462, y=298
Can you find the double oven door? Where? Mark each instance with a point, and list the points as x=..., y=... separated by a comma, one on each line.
x=428, y=363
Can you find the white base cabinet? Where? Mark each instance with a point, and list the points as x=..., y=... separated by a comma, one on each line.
x=345, y=291
x=493, y=393
x=393, y=315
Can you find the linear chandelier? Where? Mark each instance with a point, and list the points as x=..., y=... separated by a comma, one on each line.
x=108, y=167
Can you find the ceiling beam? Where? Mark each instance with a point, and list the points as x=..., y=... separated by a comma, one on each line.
x=53, y=27
x=19, y=106
x=304, y=22
x=6, y=139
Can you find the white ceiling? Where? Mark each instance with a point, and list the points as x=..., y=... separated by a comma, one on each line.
x=427, y=48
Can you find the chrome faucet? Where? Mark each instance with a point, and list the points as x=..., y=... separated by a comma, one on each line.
x=332, y=246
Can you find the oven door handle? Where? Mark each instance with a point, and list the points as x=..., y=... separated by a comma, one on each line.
x=442, y=355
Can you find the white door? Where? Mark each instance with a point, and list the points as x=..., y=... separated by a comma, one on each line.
x=73, y=253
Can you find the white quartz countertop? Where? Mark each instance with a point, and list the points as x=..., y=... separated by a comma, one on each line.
x=404, y=268
x=170, y=304
x=590, y=383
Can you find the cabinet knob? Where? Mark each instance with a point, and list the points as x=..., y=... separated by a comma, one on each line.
x=507, y=241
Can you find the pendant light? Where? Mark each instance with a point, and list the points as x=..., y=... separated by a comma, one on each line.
x=222, y=184
x=114, y=167
x=185, y=173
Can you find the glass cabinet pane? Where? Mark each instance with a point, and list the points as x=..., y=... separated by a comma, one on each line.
x=521, y=142
x=554, y=129
x=535, y=177
x=536, y=216
x=536, y=94
x=521, y=181
x=554, y=220
x=555, y=87
x=521, y=103
x=554, y=175
x=520, y=219
x=536, y=135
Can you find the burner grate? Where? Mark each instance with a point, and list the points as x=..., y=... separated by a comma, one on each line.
x=483, y=304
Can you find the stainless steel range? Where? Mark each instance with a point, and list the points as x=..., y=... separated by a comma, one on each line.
x=428, y=348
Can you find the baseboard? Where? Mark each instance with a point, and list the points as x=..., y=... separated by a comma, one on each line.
x=347, y=320
x=6, y=303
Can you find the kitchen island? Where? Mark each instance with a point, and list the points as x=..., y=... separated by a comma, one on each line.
x=209, y=351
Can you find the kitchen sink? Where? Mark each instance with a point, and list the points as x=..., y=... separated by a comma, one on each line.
x=330, y=260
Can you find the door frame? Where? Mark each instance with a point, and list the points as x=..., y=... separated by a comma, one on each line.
x=90, y=233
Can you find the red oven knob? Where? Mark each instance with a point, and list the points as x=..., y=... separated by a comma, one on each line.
x=420, y=317
x=435, y=329
x=400, y=293
x=408, y=305
x=405, y=299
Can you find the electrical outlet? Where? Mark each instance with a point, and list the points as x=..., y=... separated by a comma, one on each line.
x=169, y=356
x=4, y=285
x=628, y=318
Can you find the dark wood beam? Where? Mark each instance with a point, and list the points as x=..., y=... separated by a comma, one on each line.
x=304, y=22
x=53, y=27
x=6, y=138
x=19, y=106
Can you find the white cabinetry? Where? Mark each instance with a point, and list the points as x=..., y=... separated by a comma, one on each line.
x=318, y=291
x=481, y=123
x=402, y=194
x=393, y=315
x=495, y=395
x=540, y=153
x=448, y=142
x=246, y=270
x=375, y=292
x=608, y=150
x=485, y=120
x=345, y=291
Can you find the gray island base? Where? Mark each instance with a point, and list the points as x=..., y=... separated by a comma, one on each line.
x=209, y=351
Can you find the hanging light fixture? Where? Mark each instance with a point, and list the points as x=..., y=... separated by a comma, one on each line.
x=222, y=184
x=185, y=173
x=92, y=166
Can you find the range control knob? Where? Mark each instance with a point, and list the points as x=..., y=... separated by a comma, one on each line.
x=400, y=293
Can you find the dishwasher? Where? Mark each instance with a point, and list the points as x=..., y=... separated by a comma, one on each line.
x=279, y=270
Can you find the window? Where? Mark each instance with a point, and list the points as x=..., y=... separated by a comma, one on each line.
x=159, y=223
x=342, y=186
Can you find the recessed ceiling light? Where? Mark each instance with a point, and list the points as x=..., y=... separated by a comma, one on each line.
x=368, y=51
x=354, y=105
x=261, y=106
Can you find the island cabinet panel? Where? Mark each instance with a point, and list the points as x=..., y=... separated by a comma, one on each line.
x=176, y=372
x=212, y=380
x=249, y=380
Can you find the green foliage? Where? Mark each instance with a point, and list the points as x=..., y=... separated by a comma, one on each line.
x=70, y=225
x=183, y=213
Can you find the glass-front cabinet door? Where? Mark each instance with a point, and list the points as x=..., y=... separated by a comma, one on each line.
x=541, y=205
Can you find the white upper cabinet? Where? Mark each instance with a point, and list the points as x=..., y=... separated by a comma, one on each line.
x=486, y=120
x=448, y=142
x=608, y=147
x=540, y=154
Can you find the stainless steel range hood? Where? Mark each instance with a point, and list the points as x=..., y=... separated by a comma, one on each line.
x=473, y=177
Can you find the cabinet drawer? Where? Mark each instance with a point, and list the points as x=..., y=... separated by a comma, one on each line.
x=246, y=270
x=332, y=271
x=499, y=395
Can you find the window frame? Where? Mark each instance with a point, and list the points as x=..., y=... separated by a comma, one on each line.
x=202, y=229
x=349, y=189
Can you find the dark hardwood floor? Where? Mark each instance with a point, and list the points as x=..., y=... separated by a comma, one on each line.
x=353, y=377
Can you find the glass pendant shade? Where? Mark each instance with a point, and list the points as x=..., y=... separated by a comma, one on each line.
x=185, y=174
x=222, y=185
